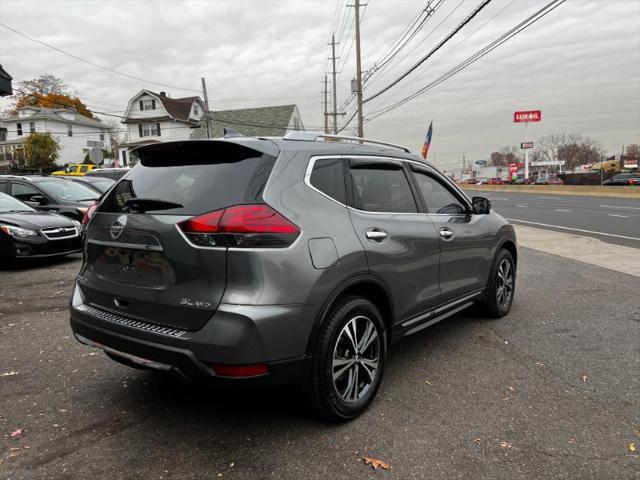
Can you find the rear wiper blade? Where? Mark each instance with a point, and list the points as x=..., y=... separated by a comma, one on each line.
x=144, y=204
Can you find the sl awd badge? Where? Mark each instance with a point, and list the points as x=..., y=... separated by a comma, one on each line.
x=117, y=227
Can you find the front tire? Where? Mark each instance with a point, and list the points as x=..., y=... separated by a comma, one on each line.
x=348, y=360
x=501, y=287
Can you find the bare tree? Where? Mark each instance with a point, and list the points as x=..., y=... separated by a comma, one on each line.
x=633, y=151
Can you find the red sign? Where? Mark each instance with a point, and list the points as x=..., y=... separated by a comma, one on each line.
x=525, y=145
x=527, y=116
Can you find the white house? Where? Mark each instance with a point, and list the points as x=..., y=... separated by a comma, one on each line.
x=76, y=134
x=154, y=117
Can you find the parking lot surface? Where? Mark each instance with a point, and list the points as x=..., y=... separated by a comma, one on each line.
x=551, y=391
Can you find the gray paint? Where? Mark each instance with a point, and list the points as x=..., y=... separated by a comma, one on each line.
x=263, y=305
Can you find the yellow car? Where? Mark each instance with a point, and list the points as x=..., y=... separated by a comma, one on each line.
x=76, y=170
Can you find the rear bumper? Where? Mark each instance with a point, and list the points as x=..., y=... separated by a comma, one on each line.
x=226, y=340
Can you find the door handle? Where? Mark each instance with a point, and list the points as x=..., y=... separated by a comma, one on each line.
x=446, y=233
x=376, y=234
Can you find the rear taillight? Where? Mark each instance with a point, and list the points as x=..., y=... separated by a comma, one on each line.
x=242, y=226
x=88, y=214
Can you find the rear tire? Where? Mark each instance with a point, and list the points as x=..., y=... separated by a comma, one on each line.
x=501, y=287
x=348, y=360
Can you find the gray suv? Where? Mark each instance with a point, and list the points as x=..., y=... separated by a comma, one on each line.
x=272, y=260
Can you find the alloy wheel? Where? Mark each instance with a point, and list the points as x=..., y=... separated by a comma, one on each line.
x=504, y=284
x=356, y=359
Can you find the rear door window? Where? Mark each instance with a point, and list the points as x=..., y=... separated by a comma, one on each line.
x=381, y=187
x=192, y=179
x=328, y=177
x=23, y=192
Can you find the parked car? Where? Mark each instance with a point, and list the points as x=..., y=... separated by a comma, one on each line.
x=99, y=184
x=51, y=194
x=482, y=181
x=289, y=259
x=28, y=233
x=523, y=181
x=555, y=181
x=76, y=170
x=623, y=179
x=495, y=181
x=549, y=181
x=112, y=173
x=468, y=181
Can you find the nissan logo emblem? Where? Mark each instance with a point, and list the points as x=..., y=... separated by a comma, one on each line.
x=117, y=227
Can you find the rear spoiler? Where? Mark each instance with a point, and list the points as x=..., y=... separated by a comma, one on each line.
x=200, y=151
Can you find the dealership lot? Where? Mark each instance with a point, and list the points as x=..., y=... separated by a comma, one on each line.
x=550, y=391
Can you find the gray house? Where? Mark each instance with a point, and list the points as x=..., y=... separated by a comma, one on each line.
x=251, y=122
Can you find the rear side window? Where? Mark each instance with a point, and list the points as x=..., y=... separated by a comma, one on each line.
x=4, y=187
x=192, y=179
x=381, y=187
x=328, y=177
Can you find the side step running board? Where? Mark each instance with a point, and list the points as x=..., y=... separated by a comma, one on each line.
x=439, y=318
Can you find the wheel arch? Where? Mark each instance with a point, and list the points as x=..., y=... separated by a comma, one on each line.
x=367, y=286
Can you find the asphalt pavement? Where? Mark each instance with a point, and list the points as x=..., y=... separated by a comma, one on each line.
x=550, y=391
x=613, y=220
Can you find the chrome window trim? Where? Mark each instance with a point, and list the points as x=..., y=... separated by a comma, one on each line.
x=315, y=158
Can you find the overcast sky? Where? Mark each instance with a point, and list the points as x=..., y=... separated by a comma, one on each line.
x=580, y=64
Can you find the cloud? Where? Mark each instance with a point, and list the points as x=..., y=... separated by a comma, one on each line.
x=580, y=64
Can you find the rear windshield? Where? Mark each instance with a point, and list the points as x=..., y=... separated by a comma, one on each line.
x=199, y=180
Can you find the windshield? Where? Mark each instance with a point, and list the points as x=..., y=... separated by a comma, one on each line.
x=64, y=190
x=10, y=204
x=103, y=185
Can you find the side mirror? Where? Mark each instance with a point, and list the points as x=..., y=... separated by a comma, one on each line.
x=481, y=205
x=39, y=199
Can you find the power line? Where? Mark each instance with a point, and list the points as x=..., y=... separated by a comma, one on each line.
x=384, y=72
x=434, y=50
x=436, y=62
x=97, y=65
x=538, y=15
x=408, y=34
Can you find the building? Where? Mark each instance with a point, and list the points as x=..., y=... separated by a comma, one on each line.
x=77, y=135
x=154, y=117
x=252, y=122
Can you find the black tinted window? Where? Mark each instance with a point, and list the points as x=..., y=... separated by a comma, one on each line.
x=4, y=187
x=328, y=177
x=381, y=188
x=199, y=179
x=23, y=192
x=439, y=199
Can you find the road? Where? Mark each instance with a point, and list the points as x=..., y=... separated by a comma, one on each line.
x=614, y=220
x=550, y=391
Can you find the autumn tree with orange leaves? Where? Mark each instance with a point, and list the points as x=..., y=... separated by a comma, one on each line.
x=47, y=91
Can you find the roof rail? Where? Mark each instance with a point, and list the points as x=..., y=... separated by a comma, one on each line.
x=313, y=136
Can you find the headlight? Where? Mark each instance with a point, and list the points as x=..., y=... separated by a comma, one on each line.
x=82, y=210
x=77, y=224
x=17, y=232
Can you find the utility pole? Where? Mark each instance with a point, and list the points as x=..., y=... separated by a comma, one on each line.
x=326, y=113
x=206, y=106
x=358, y=68
x=335, y=90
